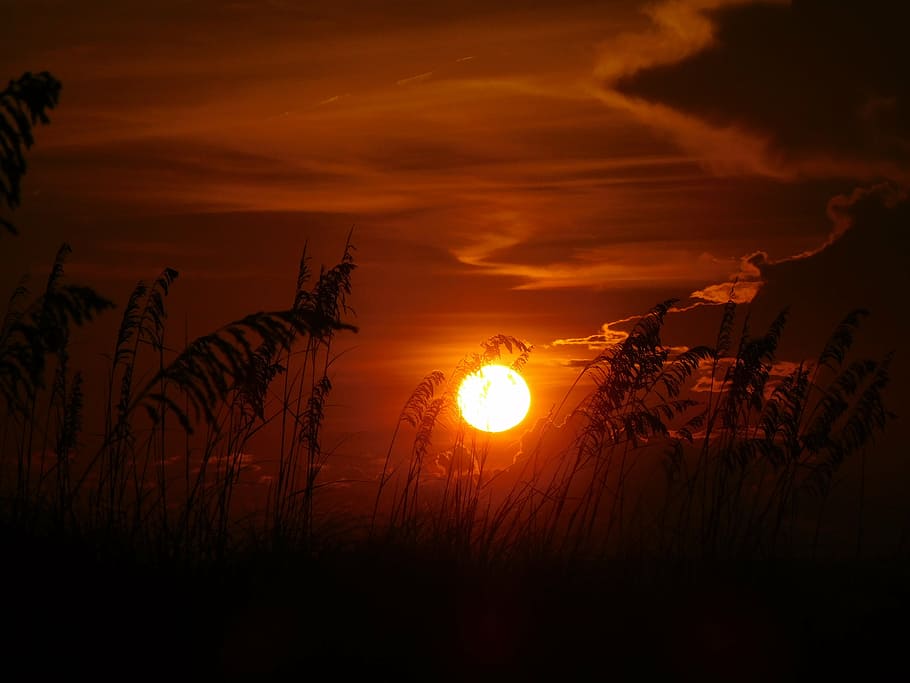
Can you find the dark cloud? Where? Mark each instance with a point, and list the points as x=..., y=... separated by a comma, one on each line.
x=862, y=264
x=577, y=362
x=866, y=267
x=821, y=84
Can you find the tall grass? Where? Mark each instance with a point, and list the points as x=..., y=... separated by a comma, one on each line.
x=742, y=463
x=643, y=466
x=201, y=403
x=24, y=103
x=460, y=472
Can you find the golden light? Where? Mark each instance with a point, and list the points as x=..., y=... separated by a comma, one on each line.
x=494, y=399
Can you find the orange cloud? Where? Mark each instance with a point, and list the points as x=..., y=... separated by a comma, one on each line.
x=606, y=338
x=680, y=28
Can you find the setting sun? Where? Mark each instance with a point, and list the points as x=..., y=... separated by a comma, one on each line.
x=494, y=399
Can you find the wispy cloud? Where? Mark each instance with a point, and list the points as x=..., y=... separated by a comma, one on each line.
x=757, y=270
x=606, y=338
x=595, y=268
x=411, y=80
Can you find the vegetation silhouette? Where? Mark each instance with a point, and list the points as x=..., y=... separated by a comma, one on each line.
x=744, y=464
x=23, y=105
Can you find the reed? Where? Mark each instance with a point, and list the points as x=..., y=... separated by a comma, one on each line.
x=742, y=464
x=642, y=467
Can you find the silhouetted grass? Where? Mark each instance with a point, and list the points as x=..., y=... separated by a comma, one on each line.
x=743, y=463
x=23, y=105
x=648, y=530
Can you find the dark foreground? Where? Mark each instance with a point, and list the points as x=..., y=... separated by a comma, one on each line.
x=70, y=610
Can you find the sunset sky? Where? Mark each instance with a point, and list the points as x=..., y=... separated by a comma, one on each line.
x=538, y=169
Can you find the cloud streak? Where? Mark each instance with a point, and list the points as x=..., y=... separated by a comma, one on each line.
x=848, y=213
x=748, y=281
x=604, y=339
x=770, y=88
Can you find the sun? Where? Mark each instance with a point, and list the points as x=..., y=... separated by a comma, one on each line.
x=494, y=399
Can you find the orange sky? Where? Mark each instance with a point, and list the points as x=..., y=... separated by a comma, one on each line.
x=539, y=169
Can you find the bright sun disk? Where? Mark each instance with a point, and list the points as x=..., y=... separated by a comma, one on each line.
x=494, y=399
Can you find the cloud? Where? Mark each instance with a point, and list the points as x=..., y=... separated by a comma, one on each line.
x=705, y=382
x=606, y=338
x=577, y=362
x=842, y=210
x=807, y=89
x=864, y=266
x=526, y=256
x=419, y=78
x=741, y=288
x=739, y=291
x=505, y=160
x=857, y=265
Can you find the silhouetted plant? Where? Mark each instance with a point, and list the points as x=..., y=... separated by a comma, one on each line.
x=23, y=104
x=741, y=465
x=453, y=514
x=738, y=464
x=219, y=382
x=767, y=449
x=33, y=331
x=306, y=389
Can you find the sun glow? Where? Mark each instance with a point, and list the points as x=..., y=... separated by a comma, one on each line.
x=494, y=399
